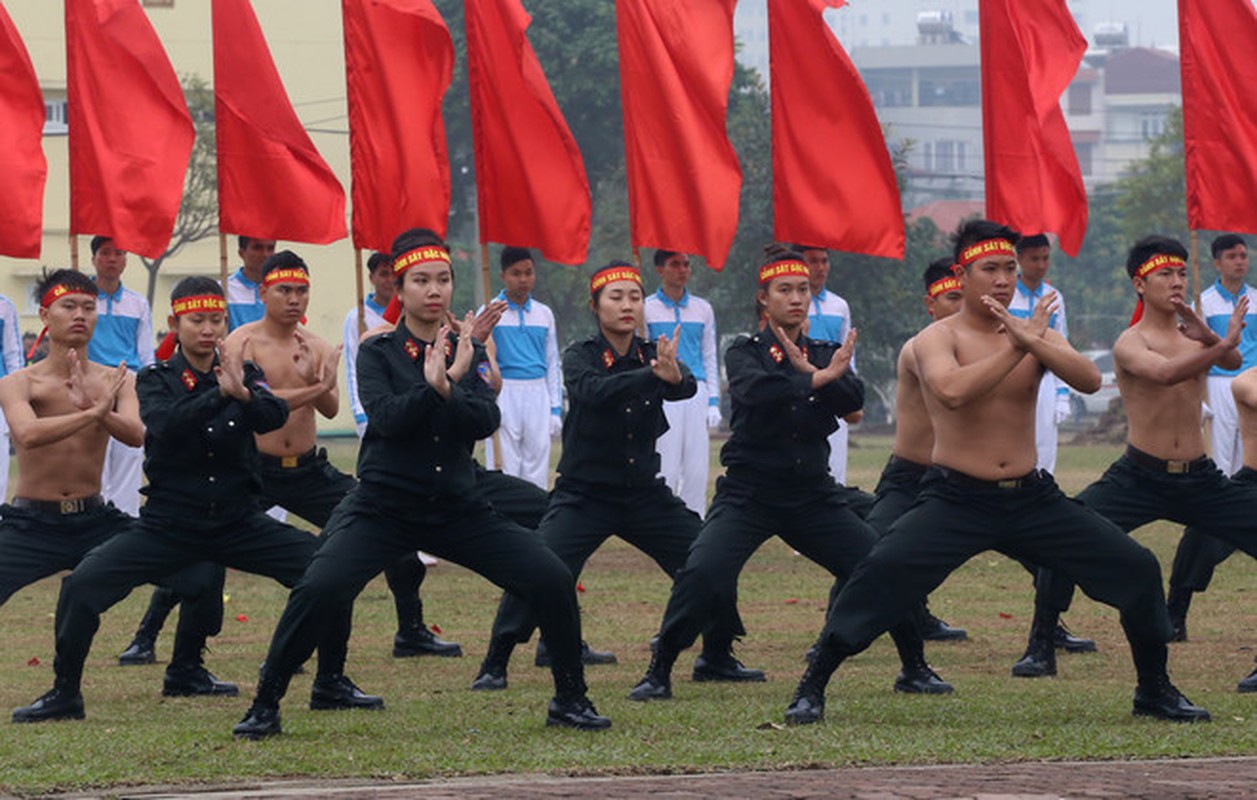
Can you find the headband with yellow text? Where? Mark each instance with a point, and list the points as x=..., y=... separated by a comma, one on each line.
x=428, y=252
x=612, y=274
x=984, y=248
x=782, y=269
x=944, y=285
x=198, y=303
x=286, y=275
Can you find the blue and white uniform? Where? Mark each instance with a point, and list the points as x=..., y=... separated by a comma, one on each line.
x=1216, y=307
x=124, y=332
x=1053, y=401
x=244, y=301
x=374, y=316
x=829, y=319
x=10, y=362
x=531, y=399
x=684, y=453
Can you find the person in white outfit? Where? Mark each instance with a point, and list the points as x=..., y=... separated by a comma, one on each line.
x=1034, y=256
x=124, y=333
x=531, y=399
x=829, y=319
x=380, y=274
x=11, y=360
x=684, y=452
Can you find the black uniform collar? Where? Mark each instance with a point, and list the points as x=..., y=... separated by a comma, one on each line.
x=414, y=347
x=189, y=374
x=636, y=355
x=769, y=340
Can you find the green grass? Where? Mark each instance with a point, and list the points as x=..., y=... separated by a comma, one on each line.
x=434, y=726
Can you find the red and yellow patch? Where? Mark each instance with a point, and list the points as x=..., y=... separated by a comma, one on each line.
x=777, y=353
x=189, y=379
x=412, y=349
x=608, y=358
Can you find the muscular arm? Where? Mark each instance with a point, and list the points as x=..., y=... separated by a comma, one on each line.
x=30, y=431
x=1072, y=367
x=955, y=385
x=1132, y=354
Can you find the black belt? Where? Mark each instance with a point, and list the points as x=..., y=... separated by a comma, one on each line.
x=1169, y=466
x=78, y=505
x=957, y=478
x=289, y=462
x=907, y=464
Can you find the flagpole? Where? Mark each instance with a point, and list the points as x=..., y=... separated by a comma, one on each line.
x=74, y=252
x=362, y=302
x=222, y=260
x=486, y=297
x=1195, y=271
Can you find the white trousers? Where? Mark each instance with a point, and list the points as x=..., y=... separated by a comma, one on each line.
x=1228, y=448
x=1045, y=438
x=4, y=453
x=121, y=478
x=684, y=452
x=838, y=441
x=524, y=436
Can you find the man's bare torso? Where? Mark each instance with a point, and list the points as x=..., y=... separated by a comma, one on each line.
x=276, y=356
x=914, y=436
x=1163, y=421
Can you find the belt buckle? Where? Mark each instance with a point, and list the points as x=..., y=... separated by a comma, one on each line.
x=1177, y=467
x=71, y=506
x=1011, y=483
x=288, y=462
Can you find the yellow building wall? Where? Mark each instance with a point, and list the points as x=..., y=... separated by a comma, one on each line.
x=306, y=44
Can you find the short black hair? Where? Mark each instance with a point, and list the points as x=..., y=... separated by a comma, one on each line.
x=609, y=265
x=781, y=251
x=1225, y=242
x=513, y=255
x=979, y=230
x=378, y=260
x=1150, y=246
x=284, y=259
x=938, y=269
x=195, y=285
x=662, y=256
x=71, y=278
x=1032, y=241
x=800, y=247
x=99, y=242
x=242, y=242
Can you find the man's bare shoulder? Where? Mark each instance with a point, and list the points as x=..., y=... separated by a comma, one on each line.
x=16, y=383
x=940, y=333
x=313, y=339
x=250, y=329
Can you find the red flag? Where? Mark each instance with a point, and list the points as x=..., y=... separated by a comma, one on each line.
x=272, y=182
x=1219, y=112
x=399, y=60
x=1030, y=53
x=531, y=188
x=23, y=169
x=676, y=67
x=833, y=180
x=130, y=131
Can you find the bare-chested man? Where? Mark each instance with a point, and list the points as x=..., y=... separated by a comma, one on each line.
x=1162, y=361
x=980, y=372
x=1244, y=389
x=62, y=412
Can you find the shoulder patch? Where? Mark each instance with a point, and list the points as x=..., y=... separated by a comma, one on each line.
x=189, y=379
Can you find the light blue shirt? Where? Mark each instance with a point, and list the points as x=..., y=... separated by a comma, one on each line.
x=696, y=343
x=528, y=347
x=1216, y=306
x=244, y=302
x=124, y=330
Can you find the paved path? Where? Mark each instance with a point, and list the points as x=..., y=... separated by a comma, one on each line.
x=1188, y=778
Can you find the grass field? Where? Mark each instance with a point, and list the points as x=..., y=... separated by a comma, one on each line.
x=435, y=726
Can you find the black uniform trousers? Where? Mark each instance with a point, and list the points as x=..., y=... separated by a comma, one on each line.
x=373, y=526
x=157, y=546
x=582, y=516
x=520, y=501
x=35, y=544
x=1198, y=554
x=957, y=517
x=816, y=520
x=1132, y=494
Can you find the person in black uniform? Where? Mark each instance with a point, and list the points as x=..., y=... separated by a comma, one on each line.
x=201, y=411
x=609, y=480
x=1162, y=361
x=427, y=399
x=979, y=373
x=788, y=393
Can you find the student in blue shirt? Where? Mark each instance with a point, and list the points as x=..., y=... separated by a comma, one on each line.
x=244, y=302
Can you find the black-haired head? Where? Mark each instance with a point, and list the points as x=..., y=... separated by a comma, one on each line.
x=1225, y=242
x=513, y=255
x=1150, y=246
x=977, y=231
x=195, y=285
x=1032, y=241
x=73, y=280
x=938, y=269
x=99, y=242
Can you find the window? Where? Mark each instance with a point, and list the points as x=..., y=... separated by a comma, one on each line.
x=928, y=157
x=55, y=119
x=1151, y=125
x=1079, y=99
x=1084, y=157
x=158, y=3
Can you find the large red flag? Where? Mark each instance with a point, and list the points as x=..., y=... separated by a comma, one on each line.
x=1030, y=53
x=23, y=169
x=833, y=180
x=399, y=60
x=1219, y=112
x=676, y=67
x=272, y=182
x=130, y=131
x=531, y=188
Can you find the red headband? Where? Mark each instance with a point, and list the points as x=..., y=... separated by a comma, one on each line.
x=286, y=275
x=612, y=274
x=944, y=285
x=1158, y=262
x=427, y=252
x=60, y=290
x=192, y=304
x=986, y=247
x=783, y=269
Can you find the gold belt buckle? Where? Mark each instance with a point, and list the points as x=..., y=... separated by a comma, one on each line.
x=1177, y=467
x=71, y=506
x=1011, y=483
x=288, y=462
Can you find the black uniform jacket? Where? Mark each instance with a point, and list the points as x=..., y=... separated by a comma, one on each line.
x=200, y=454
x=615, y=412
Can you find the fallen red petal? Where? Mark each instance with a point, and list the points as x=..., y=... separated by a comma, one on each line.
x=580, y=587
x=791, y=600
x=241, y=618
x=34, y=662
x=436, y=628
x=1002, y=615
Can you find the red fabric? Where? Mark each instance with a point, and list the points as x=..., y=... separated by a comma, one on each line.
x=531, y=188
x=23, y=169
x=130, y=131
x=833, y=180
x=1030, y=53
x=399, y=60
x=272, y=182
x=676, y=67
x=1219, y=68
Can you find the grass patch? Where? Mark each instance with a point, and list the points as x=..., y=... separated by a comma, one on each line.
x=434, y=726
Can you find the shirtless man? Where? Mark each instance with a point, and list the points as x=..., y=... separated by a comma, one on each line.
x=980, y=372
x=63, y=411
x=1244, y=389
x=1162, y=361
